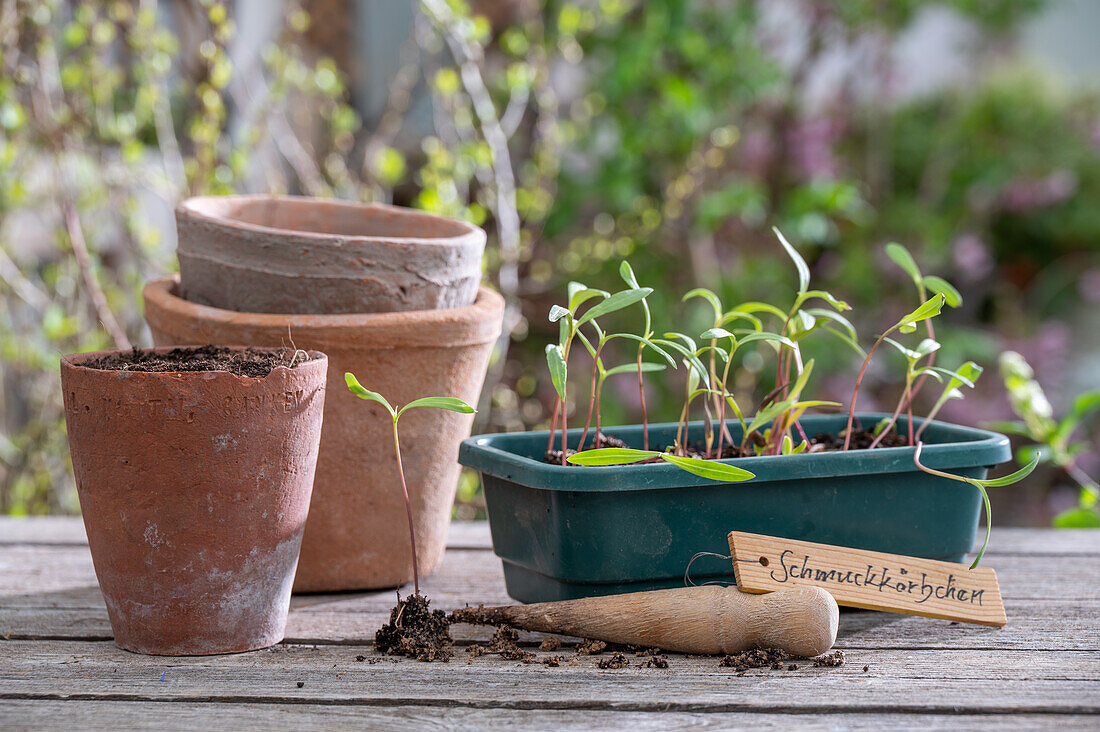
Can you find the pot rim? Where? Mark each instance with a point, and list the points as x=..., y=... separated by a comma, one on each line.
x=479, y=322
x=198, y=207
x=957, y=446
x=77, y=361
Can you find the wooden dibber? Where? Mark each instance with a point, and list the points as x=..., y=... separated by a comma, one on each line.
x=706, y=620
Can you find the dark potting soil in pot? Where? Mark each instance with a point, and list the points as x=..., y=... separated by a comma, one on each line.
x=249, y=362
x=822, y=442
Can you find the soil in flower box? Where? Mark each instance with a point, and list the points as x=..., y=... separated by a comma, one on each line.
x=247, y=362
x=822, y=442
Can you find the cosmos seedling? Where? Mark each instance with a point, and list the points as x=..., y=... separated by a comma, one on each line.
x=452, y=404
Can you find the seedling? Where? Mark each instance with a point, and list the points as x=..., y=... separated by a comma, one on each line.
x=928, y=309
x=624, y=456
x=452, y=404
x=1052, y=438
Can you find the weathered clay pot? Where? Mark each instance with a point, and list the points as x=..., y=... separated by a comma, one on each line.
x=286, y=254
x=357, y=534
x=194, y=489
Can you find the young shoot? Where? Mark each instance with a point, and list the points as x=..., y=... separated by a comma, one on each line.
x=928, y=309
x=1053, y=438
x=623, y=456
x=926, y=349
x=627, y=274
x=452, y=404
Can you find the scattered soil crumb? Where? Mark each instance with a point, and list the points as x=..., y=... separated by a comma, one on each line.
x=250, y=362
x=836, y=658
x=475, y=651
x=793, y=667
x=866, y=669
x=591, y=647
x=550, y=644
x=301, y=684
x=754, y=658
x=472, y=615
x=360, y=659
x=617, y=660
x=415, y=631
x=655, y=662
x=552, y=661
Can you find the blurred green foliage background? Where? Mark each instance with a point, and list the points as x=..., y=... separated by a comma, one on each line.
x=672, y=133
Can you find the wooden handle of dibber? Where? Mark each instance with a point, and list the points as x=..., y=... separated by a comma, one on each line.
x=706, y=620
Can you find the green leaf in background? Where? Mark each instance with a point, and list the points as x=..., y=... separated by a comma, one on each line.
x=452, y=404
x=618, y=301
x=555, y=360
x=755, y=307
x=799, y=263
x=357, y=389
x=611, y=456
x=709, y=468
x=632, y=368
x=1078, y=518
x=940, y=286
x=904, y=259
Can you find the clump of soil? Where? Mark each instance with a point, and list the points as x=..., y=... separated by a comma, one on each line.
x=861, y=440
x=616, y=661
x=550, y=644
x=591, y=647
x=774, y=658
x=251, y=362
x=415, y=631
x=836, y=658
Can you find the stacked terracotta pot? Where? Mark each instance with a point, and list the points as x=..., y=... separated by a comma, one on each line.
x=389, y=294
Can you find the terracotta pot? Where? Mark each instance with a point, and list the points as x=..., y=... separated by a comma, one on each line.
x=357, y=534
x=286, y=254
x=194, y=489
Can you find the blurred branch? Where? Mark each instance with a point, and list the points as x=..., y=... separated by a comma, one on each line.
x=27, y=291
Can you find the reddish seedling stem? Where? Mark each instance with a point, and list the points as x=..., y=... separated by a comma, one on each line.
x=855, y=392
x=553, y=425
x=641, y=396
x=591, y=402
x=408, y=509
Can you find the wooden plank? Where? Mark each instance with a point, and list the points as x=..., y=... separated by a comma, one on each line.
x=869, y=580
x=475, y=535
x=218, y=716
x=475, y=576
x=915, y=681
x=1069, y=625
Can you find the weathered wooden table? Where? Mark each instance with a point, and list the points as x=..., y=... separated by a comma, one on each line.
x=58, y=666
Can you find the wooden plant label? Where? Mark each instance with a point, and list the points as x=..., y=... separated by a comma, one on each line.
x=870, y=580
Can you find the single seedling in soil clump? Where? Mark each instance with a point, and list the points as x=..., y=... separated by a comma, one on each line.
x=413, y=630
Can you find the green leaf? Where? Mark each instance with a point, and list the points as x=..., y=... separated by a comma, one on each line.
x=627, y=274
x=799, y=263
x=579, y=297
x=357, y=389
x=689, y=356
x=555, y=360
x=649, y=344
x=709, y=468
x=770, y=337
x=940, y=286
x=1085, y=403
x=709, y=296
x=1026, y=453
x=822, y=295
x=611, y=456
x=802, y=324
x=1077, y=518
x=632, y=368
x=910, y=354
x=904, y=259
x=756, y=307
x=734, y=315
x=928, y=309
x=452, y=404
x=1012, y=477
x=768, y=413
x=713, y=334
x=557, y=312
x=825, y=314
x=802, y=380
x=618, y=301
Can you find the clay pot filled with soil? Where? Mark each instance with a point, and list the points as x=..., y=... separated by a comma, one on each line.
x=194, y=469
x=357, y=534
x=286, y=254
